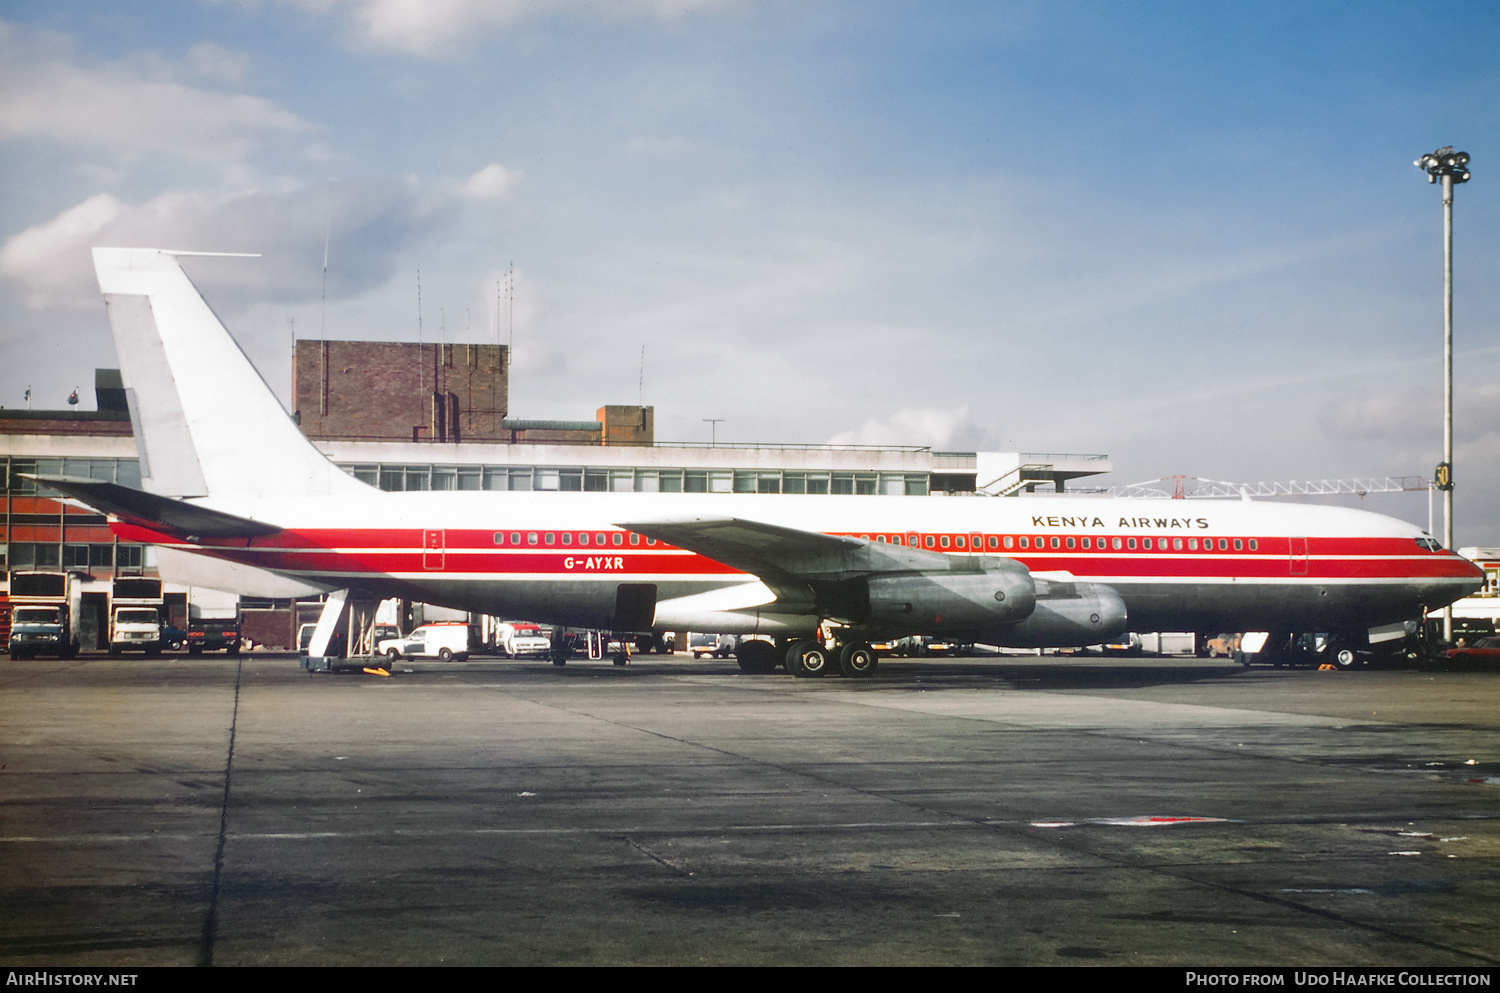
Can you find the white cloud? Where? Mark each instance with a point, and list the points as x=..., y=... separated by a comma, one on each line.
x=494, y=182
x=951, y=429
x=437, y=27
x=43, y=94
x=370, y=223
x=218, y=62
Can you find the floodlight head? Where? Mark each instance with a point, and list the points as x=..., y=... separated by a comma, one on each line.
x=1445, y=162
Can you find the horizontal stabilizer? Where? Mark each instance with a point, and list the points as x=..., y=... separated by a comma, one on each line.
x=158, y=512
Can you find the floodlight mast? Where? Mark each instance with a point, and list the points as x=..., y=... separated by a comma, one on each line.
x=1448, y=167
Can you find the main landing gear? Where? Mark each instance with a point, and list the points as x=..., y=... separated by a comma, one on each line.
x=808, y=659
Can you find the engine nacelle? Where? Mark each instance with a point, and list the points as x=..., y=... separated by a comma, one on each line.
x=952, y=602
x=1067, y=615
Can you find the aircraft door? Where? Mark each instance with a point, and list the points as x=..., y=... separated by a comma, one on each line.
x=1299, y=556
x=433, y=549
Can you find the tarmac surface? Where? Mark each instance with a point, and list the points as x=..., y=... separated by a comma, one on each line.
x=1026, y=811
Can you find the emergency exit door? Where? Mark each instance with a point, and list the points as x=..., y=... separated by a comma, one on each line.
x=432, y=549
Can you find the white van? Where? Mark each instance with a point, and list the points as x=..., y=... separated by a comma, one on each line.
x=516, y=638
x=445, y=641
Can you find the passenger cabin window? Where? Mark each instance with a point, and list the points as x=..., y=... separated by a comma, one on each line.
x=1010, y=542
x=1238, y=545
x=1072, y=543
x=549, y=538
x=945, y=541
x=1056, y=543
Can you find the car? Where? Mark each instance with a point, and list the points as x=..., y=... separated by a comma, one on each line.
x=445, y=641
x=1484, y=648
x=173, y=637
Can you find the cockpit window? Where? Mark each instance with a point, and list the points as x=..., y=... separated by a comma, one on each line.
x=1430, y=544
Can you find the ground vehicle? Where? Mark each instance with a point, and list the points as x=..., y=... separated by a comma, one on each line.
x=212, y=634
x=517, y=638
x=1049, y=571
x=44, y=615
x=444, y=640
x=720, y=646
x=1484, y=648
x=304, y=636
x=135, y=622
x=1127, y=644
x=1224, y=645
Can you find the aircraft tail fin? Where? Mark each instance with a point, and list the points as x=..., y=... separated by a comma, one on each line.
x=206, y=423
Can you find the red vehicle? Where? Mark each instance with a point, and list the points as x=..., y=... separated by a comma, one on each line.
x=1484, y=648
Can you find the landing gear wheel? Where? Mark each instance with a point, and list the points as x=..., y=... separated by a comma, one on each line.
x=857, y=660
x=756, y=657
x=559, y=656
x=807, y=659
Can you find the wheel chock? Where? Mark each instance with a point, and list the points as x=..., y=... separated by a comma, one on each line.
x=1328, y=667
x=377, y=671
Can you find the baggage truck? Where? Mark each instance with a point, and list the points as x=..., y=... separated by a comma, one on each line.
x=135, y=623
x=45, y=615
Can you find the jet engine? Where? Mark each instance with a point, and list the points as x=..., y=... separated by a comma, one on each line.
x=1001, y=605
x=1067, y=615
x=1001, y=594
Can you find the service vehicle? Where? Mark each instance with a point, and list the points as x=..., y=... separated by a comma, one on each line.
x=517, y=638
x=45, y=615
x=135, y=620
x=213, y=634
x=445, y=640
x=720, y=646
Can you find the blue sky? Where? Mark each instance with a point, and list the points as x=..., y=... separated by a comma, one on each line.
x=1188, y=235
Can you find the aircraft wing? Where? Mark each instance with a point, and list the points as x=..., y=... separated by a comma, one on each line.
x=790, y=560
x=157, y=512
